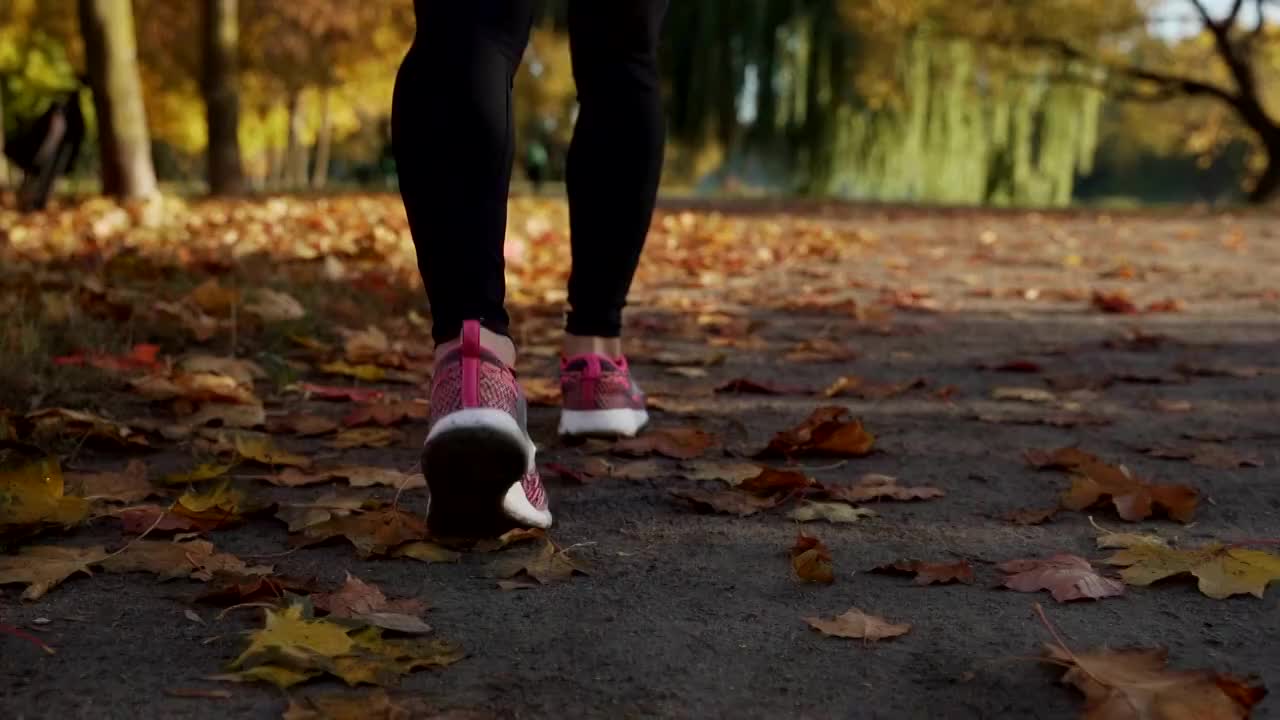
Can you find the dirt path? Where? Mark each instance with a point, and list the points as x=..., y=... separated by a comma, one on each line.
x=687, y=614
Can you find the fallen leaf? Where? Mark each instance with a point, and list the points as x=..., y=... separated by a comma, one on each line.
x=227, y=589
x=370, y=437
x=732, y=474
x=811, y=560
x=1172, y=406
x=515, y=536
x=349, y=394
x=1134, y=684
x=128, y=485
x=546, y=565
x=834, y=512
x=819, y=350
x=637, y=470
x=200, y=473
x=927, y=573
x=33, y=494
x=853, y=386
x=261, y=450
x=858, y=625
x=226, y=415
x=704, y=359
x=1210, y=455
x=197, y=559
x=273, y=305
x=372, y=533
x=1112, y=540
x=730, y=502
x=823, y=433
x=1017, y=365
x=244, y=371
x=1222, y=571
x=881, y=487
x=1117, y=302
x=1066, y=577
x=51, y=423
x=43, y=567
x=1024, y=394
x=196, y=387
x=367, y=373
x=676, y=443
x=301, y=424
x=1094, y=481
x=156, y=519
x=541, y=391
x=427, y=552
x=323, y=509
x=375, y=705
x=359, y=601
x=142, y=357
x=769, y=481
x=387, y=414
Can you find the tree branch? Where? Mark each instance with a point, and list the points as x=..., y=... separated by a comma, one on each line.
x=1241, y=70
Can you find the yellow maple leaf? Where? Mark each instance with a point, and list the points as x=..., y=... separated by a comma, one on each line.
x=260, y=449
x=34, y=493
x=295, y=637
x=1221, y=571
x=368, y=373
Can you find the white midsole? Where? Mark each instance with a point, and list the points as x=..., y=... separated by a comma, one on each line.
x=619, y=421
x=489, y=418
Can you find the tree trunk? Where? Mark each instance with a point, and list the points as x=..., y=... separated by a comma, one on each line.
x=111, y=54
x=221, y=96
x=4, y=161
x=324, y=145
x=295, y=156
x=1267, y=189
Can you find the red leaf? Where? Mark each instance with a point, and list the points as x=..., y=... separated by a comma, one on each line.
x=330, y=392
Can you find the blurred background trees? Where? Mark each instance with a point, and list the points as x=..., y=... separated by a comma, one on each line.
x=1026, y=102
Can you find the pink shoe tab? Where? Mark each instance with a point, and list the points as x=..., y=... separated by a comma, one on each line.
x=470, y=363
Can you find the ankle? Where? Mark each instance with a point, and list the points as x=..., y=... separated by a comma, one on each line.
x=500, y=345
x=575, y=345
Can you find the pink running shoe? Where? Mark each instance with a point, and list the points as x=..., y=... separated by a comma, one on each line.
x=600, y=398
x=478, y=459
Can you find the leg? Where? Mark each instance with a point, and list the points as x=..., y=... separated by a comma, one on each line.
x=453, y=139
x=615, y=160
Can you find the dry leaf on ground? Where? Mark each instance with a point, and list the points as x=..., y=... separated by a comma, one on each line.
x=1210, y=455
x=811, y=560
x=261, y=449
x=355, y=475
x=1222, y=571
x=227, y=589
x=369, y=437
x=301, y=424
x=858, y=625
x=1135, y=684
x=854, y=386
x=1067, y=577
x=872, y=487
x=1095, y=481
x=42, y=567
x=745, y=386
x=128, y=485
x=1031, y=516
x=348, y=394
x=770, y=481
x=387, y=414
x=79, y=425
x=323, y=509
x=427, y=552
x=200, y=473
x=373, y=533
x=548, y=564
x=834, y=512
x=676, y=443
x=193, y=558
x=33, y=494
x=730, y=502
x=825, y=432
x=362, y=602
x=730, y=473
x=928, y=573
x=375, y=705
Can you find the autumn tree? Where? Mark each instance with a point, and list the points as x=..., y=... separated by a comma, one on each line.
x=220, y=86
x=112, y=60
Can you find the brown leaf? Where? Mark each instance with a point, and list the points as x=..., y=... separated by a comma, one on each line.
x=370, y=437
x=1024, y=394
x=1210, y=455
x=227, y=589
x=730, y=502
x=676, y=443
x=137, y=520
x=770, y=481
x=820, y=350
x=541, y=392
x=360, y=601
x=301, y=424
x=1118, y=302
x=193, y=558
x=1066, y=577
x=547, y=565
x=811, y=560
x=1017, y=365
x=858, y=625
x=63, y=423
x=387, y=414
x=355, y=475
x=427, y=552
x=507, y=539
x=1095, y=481
x=834, y=512
x=43, y=567
x=128, y=485
x=854, y=386
x=244, y=371
x=927, y=573
x=303, y=515
x=373, y=533
x=881, y=487
x=730, y=473
x=1135, y=684
x=348, y=394
x=825, y=432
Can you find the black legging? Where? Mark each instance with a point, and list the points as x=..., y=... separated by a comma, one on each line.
x=453, y=134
